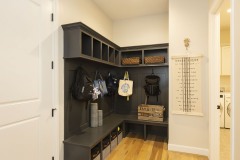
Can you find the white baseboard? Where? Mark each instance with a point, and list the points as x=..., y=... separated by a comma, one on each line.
x=187, y=149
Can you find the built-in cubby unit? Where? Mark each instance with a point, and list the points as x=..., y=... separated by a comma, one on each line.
x=86, y=48
x=80, y=41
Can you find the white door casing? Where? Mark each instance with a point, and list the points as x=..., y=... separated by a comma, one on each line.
x=214, y=80
x=235, y=79
x=26, y=94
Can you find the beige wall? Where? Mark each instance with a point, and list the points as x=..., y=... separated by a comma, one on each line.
x=225, y=37
x=189, y=19
x=141, y=31
x=87, y=12
x=225, y=82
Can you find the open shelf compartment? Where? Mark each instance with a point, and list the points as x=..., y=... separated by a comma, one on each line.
x=96, y=49
x=86, y=44
x=111, y=55
x=157, y=52
x=104, y=52
x=96, y=152
x=117, y=57
x=131, y=54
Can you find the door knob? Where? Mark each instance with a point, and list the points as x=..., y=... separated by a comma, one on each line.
x=218, y=106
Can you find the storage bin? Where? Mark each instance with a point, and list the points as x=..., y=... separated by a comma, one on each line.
x=120, y=134
x=151, y=112
x=95, y=153
x=131, y=60
x=154, y=59
x=113, y=140
x=106, y=148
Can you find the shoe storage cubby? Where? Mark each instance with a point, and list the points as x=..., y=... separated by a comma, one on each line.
x=106, y=147
x=120, y=133
x=156, y=130
x=96, y=152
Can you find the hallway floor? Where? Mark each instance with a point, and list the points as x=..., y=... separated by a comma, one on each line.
x=224, y=144
x=133, y=147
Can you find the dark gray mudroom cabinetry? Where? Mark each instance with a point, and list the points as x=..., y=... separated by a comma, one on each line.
x=87, y=48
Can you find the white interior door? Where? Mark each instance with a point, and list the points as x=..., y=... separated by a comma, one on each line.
x=26, y=80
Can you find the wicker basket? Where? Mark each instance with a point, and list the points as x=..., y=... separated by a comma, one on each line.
x=154, y=59
x=151, y=112
x=131, y=60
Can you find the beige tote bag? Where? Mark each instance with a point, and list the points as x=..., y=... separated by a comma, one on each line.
x=125, y=86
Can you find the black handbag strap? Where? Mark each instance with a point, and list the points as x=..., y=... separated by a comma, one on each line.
x=98, y=74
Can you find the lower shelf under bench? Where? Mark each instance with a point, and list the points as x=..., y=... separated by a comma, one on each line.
x=97, y=143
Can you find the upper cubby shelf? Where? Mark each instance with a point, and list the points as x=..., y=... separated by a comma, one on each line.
x=80, y=41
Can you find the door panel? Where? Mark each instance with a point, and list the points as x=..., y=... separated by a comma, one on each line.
x=25, y=141
x=26, y=47
x=19, y=62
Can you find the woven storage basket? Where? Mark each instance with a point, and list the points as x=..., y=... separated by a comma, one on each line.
x=131, y=60
x=154, y=59
x=151, y=112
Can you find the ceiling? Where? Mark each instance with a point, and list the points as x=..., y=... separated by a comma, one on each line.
x=125, y=9
x=224, y=15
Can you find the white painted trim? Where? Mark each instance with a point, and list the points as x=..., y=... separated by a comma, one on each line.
x=235, y=78
x=58, y=140
x=187, y=149
x=60, y=67
x=214, y=79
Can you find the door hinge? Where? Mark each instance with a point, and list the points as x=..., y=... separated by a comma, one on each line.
x=52, y=17
x=53, y=109
x=52, y=158
x=52, y=65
